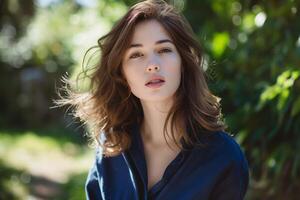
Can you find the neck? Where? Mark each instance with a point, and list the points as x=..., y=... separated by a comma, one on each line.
x=155, y=114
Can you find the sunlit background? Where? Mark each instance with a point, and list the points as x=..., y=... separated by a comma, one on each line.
x=252, y=53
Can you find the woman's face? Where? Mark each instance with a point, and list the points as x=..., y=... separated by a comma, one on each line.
x=152, y=55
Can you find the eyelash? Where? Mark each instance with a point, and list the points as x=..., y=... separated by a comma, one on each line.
x=135, y=55
x=165, y=50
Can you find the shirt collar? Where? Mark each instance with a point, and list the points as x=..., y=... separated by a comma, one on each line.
x=136, y=151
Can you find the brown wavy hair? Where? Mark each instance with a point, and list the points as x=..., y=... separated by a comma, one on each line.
x=110, y=108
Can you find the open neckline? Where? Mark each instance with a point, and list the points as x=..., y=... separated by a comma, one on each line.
x=164, y=178
x=138, y=155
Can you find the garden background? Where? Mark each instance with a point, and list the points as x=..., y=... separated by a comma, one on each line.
x=252, y=49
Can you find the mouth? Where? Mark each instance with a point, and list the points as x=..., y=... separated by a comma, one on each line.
x=155, y=82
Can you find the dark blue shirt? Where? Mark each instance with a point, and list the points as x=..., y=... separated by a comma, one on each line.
x=216, y=171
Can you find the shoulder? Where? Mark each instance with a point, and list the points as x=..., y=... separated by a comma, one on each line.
x=99, y=149
x=219, y=149
x=229, y=152
x=101, y=157
x=231, y=163
x=223, y=143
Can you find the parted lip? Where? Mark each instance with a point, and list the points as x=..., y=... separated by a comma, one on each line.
x=155, y=77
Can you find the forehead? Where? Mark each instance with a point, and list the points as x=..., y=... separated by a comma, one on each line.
x=149, y=30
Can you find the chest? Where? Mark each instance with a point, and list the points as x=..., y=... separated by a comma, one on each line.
x=157, y=160
x=192, y=179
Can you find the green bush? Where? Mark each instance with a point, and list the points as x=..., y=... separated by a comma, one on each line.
x=11, y=188
x=74, y=188
x=253, y=50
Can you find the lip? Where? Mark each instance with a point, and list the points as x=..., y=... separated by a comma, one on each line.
x=155, y=77
x=155, y=85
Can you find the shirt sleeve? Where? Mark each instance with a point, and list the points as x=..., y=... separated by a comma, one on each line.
x=92, y=185
x=234, y=183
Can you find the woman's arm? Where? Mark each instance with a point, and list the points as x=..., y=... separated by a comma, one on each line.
x=93, y=181
x=92, y=189
x=234, y=184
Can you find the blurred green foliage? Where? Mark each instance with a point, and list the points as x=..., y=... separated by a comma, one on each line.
x=9, y=187
x=252, y=49
x=74, y=189
x=25, y=155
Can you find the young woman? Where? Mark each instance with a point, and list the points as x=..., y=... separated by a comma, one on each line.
x=159, y=127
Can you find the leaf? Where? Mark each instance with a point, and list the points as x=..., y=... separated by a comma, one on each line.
x=219, y=43
x=296, y=107
x=241, y=136
x=282, y=99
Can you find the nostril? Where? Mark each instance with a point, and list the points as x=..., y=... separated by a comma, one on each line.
x=151, y=68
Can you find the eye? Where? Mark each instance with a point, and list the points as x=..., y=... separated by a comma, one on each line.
x=165, y=50
x=135, y=55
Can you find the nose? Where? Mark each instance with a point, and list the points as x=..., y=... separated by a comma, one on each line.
x=153, y=68
x=153, y=65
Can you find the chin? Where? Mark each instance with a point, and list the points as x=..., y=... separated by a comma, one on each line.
x=166, y=94
x=156, y=98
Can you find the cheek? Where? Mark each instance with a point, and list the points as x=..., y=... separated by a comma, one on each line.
x=175, y=71
x=133, y=77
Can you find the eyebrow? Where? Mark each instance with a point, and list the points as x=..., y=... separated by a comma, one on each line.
x=157, y=42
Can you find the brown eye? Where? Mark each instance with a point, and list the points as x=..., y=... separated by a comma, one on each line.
x=135, y=55
x=165, y=50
